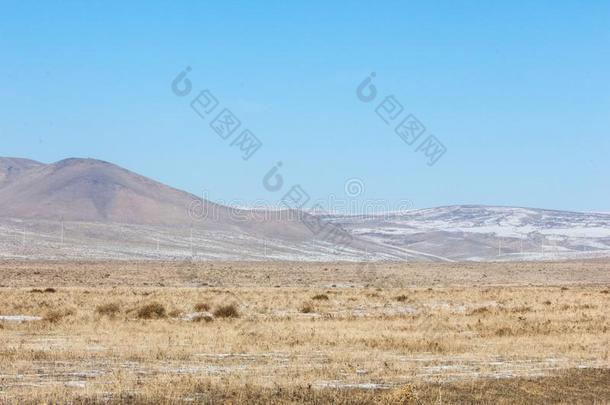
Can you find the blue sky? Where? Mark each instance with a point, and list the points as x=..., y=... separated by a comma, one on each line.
x=518, y=92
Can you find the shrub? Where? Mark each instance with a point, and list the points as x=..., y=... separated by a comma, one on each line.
x=226, y=311
x=504, y=331
x=111, y=309
x=153, y=310
x=306, y=308
x=175, y=313
x=480, y=311
x=322, y=297
x=402, y=298
x=405, y=395
x=202, y=307
x=50, y=290
x=55, y=316
x=36, y=290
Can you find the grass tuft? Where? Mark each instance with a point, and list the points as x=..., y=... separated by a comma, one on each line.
x=226, y=311
x=153, y=310
x=480, y=311
x=306, y=308
x=54, y=316
x=202, y=307
x=110, y=309
x=175, y=313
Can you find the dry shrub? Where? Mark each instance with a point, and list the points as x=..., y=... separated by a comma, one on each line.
x=226, y=311
x=154, y=310
x=320, y=297
x=202, y=307
x=46, y=290
x=402, y=298
x=435, y=346
x=505, y=331
x=480, y=311
x=404, y=395
x=306, y=308
x=110, y=309
x=55, y=315
x=174, y=313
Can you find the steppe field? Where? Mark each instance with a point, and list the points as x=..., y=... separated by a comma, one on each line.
x=283, y=333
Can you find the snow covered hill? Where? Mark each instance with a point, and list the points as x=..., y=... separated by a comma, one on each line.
x=486, y=233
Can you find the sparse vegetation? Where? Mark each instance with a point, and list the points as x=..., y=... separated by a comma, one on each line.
x=111, y=309
x=405, y=395
x=154, y=310
x=480, y=311
x=320, y=297
x=226, y=311
x=46, y=290
x=175, y=313
x=521, y=309
x=331, y=351
x=202, y=307
x=54, y=316
x=306, y=308
x=504, y=331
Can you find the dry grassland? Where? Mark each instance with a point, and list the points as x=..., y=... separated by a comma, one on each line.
x=126, y=332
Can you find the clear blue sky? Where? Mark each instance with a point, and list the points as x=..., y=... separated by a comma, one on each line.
x=519, y=93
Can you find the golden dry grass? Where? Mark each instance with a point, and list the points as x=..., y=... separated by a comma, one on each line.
x=400, y=337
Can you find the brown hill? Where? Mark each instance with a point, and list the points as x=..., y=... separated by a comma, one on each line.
x=88, y=190
x=92, y=190
x=12, y=168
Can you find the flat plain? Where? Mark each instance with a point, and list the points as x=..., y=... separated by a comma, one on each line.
x=285, y=332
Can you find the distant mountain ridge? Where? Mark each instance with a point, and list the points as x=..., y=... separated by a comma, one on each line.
x=101, y=210
x=88, y=208
x=476, y=232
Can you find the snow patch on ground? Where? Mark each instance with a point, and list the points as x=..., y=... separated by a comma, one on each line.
x=19, y=318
